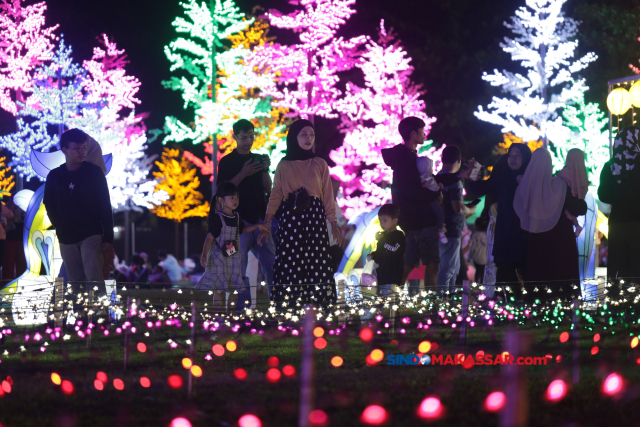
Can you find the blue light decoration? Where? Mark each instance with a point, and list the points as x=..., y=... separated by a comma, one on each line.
x=32, y=291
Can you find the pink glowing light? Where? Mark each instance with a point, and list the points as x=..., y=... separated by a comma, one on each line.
x=612, y=384
x=556, y=390
x=180, y=422
x=430, y=408
x=374, y=415
x=249, y=421
x=495, y=401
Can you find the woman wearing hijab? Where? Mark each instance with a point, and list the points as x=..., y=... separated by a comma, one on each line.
x=620, y=187
x=540, y=202
x=509, y=241
x=302, y=200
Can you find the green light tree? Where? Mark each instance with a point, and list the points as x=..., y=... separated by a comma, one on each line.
x=195, y=58
x=588, y=131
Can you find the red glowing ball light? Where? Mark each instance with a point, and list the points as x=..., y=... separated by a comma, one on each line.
x=495, y=401
x=145, y=382
x=556, y=390
x=218, y=350
x=6, y=387
x=366, y=335
x=374, y=415
x=240, y=374
x=564, y=337
x=318, y=418
x=249, y=421
x=594, y=350
x=99, y=385
x=273, y=375
x=102, y=377
x=67, y=387
x=613, y=384
x=273, y=362
x=142, y=347
x=180, y=422
x=596, y=338
x=175, y=381
x=289, y=371
x=320, y=343
x=430, y=408
x=118, y=384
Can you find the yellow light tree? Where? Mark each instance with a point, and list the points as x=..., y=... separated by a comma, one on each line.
x=177, y=177
x=7, y=182
x=509, y=138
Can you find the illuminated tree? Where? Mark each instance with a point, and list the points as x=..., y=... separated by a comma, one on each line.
x=123, y=135
x=7, y=182
x=370, y=118
x=545, y=46
x=61, y=100
x=587, y=126
x=178, y=179
x=25, y=44
x=304, y=77
x=509, y=138
x=239, y=81
x=197, y=57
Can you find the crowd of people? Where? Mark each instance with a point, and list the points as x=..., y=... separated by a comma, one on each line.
x=524, y=237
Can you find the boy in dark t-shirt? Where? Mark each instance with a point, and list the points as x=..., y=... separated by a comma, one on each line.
x=390, y=250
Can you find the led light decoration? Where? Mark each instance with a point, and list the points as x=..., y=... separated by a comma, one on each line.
x=304, y=77
x=178, y=179
x=59, y=89
x=545, y=46
x=239, y=90
x=370, y=118
x=25, y=43
x=196, y=58
x=7, y=182
x=619, y=101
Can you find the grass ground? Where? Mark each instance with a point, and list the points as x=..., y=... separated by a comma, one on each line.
x=219, y=399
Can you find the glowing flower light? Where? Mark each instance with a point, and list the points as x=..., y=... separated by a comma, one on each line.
x=612, y=384
x=495, y=401
x=374, y=415
x=430, y=408
x=556, y=390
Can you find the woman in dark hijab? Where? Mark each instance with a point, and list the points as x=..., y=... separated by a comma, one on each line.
x=510, y=241
x=302, y=200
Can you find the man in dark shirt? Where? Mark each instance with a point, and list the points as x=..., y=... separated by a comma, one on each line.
x=455, y=212
x=250, y=173
x=76, y=197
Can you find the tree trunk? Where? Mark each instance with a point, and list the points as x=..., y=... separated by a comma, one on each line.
x=177, y=246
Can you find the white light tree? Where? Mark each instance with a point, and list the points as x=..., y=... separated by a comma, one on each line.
x=545, y=46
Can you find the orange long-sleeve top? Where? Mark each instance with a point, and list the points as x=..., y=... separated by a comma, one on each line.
x=290, y=176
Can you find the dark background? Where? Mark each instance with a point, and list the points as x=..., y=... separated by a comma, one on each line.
x=451, y=43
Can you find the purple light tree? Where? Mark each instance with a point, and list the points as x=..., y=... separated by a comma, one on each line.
x=303, y=77
x=25, y=44
x=370, y=117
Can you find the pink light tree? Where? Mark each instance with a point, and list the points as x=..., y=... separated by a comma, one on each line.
x=370, y=116
x=25, y=44
x=304, y=77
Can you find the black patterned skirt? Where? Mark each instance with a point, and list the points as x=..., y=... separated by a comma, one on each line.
x=303, y=271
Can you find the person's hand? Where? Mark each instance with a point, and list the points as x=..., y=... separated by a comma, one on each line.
x=107, y=247
x=264, y=234
x=336, y=233
x=250, y=168
x=203, y=260
x=472, y=210
x=519, y=178
x=467, y=172
x=440, y=197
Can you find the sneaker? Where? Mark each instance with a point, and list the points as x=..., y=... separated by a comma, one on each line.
x=443, y=238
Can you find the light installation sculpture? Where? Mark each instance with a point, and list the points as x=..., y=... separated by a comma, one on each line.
x=31, y=292
x=370, y=116
x=545, y=46
x=25, y=43
x=7, y=182
x=303, y=78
